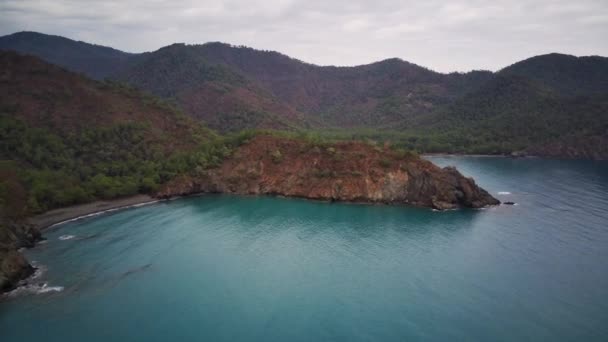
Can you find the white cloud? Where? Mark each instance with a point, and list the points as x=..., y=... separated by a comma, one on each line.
x=442, y=35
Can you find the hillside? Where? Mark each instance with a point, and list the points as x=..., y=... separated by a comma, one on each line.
x=222, y=98
x=75, y=139
x=231, y=88
x=519, y=114
x=551, y=105
x=95, y=61
x=376, y=95
x=568, y=75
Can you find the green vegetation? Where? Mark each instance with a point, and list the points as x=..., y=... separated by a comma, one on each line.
x=99, y=163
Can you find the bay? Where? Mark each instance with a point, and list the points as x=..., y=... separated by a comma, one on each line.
x=234, y=268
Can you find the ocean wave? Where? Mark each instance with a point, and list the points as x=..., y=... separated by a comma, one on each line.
x=504, y=193
x=40, y=288
x=66, y=237
x=40, y=270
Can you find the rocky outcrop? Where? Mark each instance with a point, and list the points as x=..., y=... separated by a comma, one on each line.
x=13, y=268
x=13, y=265
x=348, y=171
x=15, y=232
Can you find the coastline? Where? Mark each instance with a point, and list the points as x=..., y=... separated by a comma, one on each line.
x=75, y=212
x=467, y=155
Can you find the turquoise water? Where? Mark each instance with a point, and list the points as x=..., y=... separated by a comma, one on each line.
x=229, y=268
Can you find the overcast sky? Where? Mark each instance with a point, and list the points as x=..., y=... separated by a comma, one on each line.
x=442, y=35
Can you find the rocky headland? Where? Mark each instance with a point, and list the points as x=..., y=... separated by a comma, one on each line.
x=346, y=171
x=271, y=165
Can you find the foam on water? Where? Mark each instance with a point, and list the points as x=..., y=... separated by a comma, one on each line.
x=34, y=289
x=504, y=193
x=66, y=237
x=29, y=286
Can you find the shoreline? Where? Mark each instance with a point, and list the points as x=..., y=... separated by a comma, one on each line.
x=72, y=213
x=467, y=155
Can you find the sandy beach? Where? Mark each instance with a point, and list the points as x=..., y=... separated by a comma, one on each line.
x=55, y=216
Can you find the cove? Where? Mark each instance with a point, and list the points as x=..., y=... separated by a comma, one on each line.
x=231, y=268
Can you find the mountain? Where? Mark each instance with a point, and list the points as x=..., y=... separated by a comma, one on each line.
x=568, y=75
x=219, y=96
x=95, y=61
x=377, y=95
x=231, y=88
x=527, y=107
x=550, y=111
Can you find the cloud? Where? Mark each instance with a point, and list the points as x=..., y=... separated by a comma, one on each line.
x=443, y=35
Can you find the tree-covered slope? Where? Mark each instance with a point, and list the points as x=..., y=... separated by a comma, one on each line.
x=221, y=97
x=515, y=113
x=550, y=105
x=92, y=60
x=72, y=139
x=568, y=75
x=231, y=88
x=374, y=95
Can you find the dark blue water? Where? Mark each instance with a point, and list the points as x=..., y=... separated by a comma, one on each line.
x=228, y=268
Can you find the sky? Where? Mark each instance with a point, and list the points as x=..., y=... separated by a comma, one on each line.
x=444, y=36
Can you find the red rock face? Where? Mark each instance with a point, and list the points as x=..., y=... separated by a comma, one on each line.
x=349, y=171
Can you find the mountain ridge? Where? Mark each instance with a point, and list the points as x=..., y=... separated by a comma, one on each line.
x=231, y=88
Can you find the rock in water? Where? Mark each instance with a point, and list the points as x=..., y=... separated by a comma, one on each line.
x=15, y=234
x=13, y=268
x=347, y=171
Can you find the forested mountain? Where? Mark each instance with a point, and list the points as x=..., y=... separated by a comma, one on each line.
x=514, y=113
x=92, y=60
x=224, y=99
x=377, y=95
x=231, y=88
x=73, y=139
x=551, y=104
x=568, y=75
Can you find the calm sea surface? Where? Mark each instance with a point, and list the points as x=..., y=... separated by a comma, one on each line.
x=229, y=268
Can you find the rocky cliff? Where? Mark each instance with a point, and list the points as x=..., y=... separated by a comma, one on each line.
x=13, y=265
x=15, y=232
x=348, y=171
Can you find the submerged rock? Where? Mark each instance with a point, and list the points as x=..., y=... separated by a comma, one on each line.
x=347, y=171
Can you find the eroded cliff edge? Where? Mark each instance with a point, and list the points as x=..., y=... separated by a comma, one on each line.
x=13, y=265
x=347, y=171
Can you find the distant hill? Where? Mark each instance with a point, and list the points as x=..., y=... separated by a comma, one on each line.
x=377, y=95
x=514, y=113
x=221, y=97
x=95, y=61
x=231, y=88
x=528, y=106
x=567, y=75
